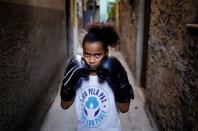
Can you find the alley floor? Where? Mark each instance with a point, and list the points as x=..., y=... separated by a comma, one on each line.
x=136, y=119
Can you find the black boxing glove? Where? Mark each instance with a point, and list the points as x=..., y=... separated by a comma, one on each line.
x=114, y=73
x=75, y=70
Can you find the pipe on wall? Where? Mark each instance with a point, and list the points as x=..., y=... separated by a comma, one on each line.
x=140, y=41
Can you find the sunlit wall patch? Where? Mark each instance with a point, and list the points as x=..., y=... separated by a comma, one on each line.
x=94, y=106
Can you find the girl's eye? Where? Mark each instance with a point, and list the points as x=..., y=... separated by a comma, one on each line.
x=86, y=55
x=97, y=56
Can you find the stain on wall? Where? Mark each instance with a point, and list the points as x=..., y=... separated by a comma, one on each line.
x=33, y=52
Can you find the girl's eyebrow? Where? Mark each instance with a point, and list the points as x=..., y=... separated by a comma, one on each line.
x=97, y=53
x=92, y=54
x=85, y=52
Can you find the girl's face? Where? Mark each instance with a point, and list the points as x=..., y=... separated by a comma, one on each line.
x=93, y=54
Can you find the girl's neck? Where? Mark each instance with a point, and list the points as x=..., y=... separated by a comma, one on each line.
x=93, y=73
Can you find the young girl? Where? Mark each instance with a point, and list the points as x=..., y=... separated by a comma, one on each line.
x=97, y=83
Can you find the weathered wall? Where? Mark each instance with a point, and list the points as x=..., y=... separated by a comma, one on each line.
x=58, y=4
x=172, y=85
x=128, y=30
x=33, y=52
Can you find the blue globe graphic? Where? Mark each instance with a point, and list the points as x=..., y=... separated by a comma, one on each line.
x=92, y=101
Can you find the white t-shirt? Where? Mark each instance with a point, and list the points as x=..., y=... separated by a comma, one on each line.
x=95, y=107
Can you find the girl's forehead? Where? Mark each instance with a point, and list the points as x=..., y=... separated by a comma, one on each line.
x=95, y=42
x=93, y=47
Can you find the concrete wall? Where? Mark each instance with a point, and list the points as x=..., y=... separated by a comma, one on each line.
x=33, y=52
x=172, y=86
x=171, y=69
x=128, y=32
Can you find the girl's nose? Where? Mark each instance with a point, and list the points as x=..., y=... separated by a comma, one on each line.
x=92, y=60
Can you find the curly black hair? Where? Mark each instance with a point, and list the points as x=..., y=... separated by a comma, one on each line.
x=106, y=34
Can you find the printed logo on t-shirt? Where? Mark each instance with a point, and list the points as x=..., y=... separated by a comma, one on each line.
x=94, y=106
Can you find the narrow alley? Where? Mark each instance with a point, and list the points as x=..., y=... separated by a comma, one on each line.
x=157, y=47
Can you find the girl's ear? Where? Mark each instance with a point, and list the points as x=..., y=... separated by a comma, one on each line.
x=107, y=52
